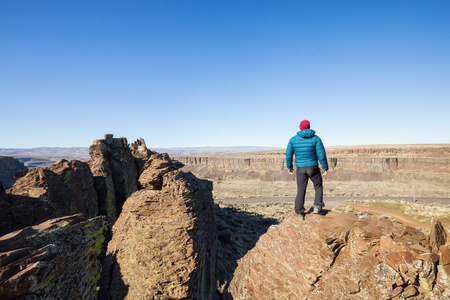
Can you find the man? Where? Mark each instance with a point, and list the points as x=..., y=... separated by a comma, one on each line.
x=308, y=149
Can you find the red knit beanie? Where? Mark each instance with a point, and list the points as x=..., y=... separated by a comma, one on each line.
x=304, y=124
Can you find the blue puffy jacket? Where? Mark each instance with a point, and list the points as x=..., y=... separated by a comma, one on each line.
x=308, y=149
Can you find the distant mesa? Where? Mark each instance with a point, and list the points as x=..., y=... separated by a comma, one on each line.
x=45, y=156
x=366, y=163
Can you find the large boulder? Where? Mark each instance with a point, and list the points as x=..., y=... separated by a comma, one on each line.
x=40, y=194
x=339, y=256
x=115, y=174
x=8, y=167
x=164, y=243
x=53, y=260
x=154, y=169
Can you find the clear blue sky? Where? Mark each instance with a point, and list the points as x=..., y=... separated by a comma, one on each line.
x=224, y=73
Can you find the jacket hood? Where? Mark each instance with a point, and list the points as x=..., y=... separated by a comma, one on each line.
x=306, y=133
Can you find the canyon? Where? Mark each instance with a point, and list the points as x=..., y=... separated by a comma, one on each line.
x=419, y=169
x=135, y=223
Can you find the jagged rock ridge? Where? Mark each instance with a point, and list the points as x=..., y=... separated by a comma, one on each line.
x=34, y=261
x=164, y=244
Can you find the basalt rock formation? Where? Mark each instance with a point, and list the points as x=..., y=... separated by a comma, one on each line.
x=40, y=194
x=339, y=256
x=8, y=167
x=155, y=168
x=164, y=243
x=53, y=260
x=115, y=174
x=141, y=155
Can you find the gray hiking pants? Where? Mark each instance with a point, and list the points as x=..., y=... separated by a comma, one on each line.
x=303, y=174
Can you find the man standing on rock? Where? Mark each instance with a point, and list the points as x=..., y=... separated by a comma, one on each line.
x=308, y=149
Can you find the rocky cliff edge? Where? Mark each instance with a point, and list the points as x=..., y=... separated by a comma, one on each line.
x=339, y=256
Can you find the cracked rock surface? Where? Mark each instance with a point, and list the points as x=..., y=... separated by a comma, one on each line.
x=57, y=259
x=339, y=256
x=164, y=244
x=40, y=194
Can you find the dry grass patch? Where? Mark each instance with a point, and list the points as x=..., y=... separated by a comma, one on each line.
x=256, y=188
x=422, y=212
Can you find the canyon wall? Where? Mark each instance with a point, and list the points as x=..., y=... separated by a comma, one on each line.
x=345, y=163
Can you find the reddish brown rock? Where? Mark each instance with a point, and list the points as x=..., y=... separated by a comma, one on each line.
x=155, y=168
x=39, y=194
x=115, y=174
x=164, y=243
x=141, y=155
x=53, y=260
x=338, y=256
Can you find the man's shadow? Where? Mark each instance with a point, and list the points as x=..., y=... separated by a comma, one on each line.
x=238, y=232
x=324, y=212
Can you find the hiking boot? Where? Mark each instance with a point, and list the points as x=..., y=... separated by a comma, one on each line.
x=317, y=209
x=301, y=217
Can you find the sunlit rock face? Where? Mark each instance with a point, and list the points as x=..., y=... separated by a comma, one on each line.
x=39, y=194
x=164, y=244
x=339, y=256
x=56, y=259
x=115, y=174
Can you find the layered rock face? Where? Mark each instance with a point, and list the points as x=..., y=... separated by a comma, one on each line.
x=345, y=163
x=115, y=174
x=155, y=168
x=8, y=167
x=164, y=243
x=54, y=260
x=339, y=256
x=39, y=194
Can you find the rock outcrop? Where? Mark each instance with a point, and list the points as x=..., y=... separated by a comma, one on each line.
x=9, y=166
x=164, y=243
x=40, y=194
x=155, y=168
x=53, y=260
x=141, y=155
x=115, y=174
x=339, y=256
